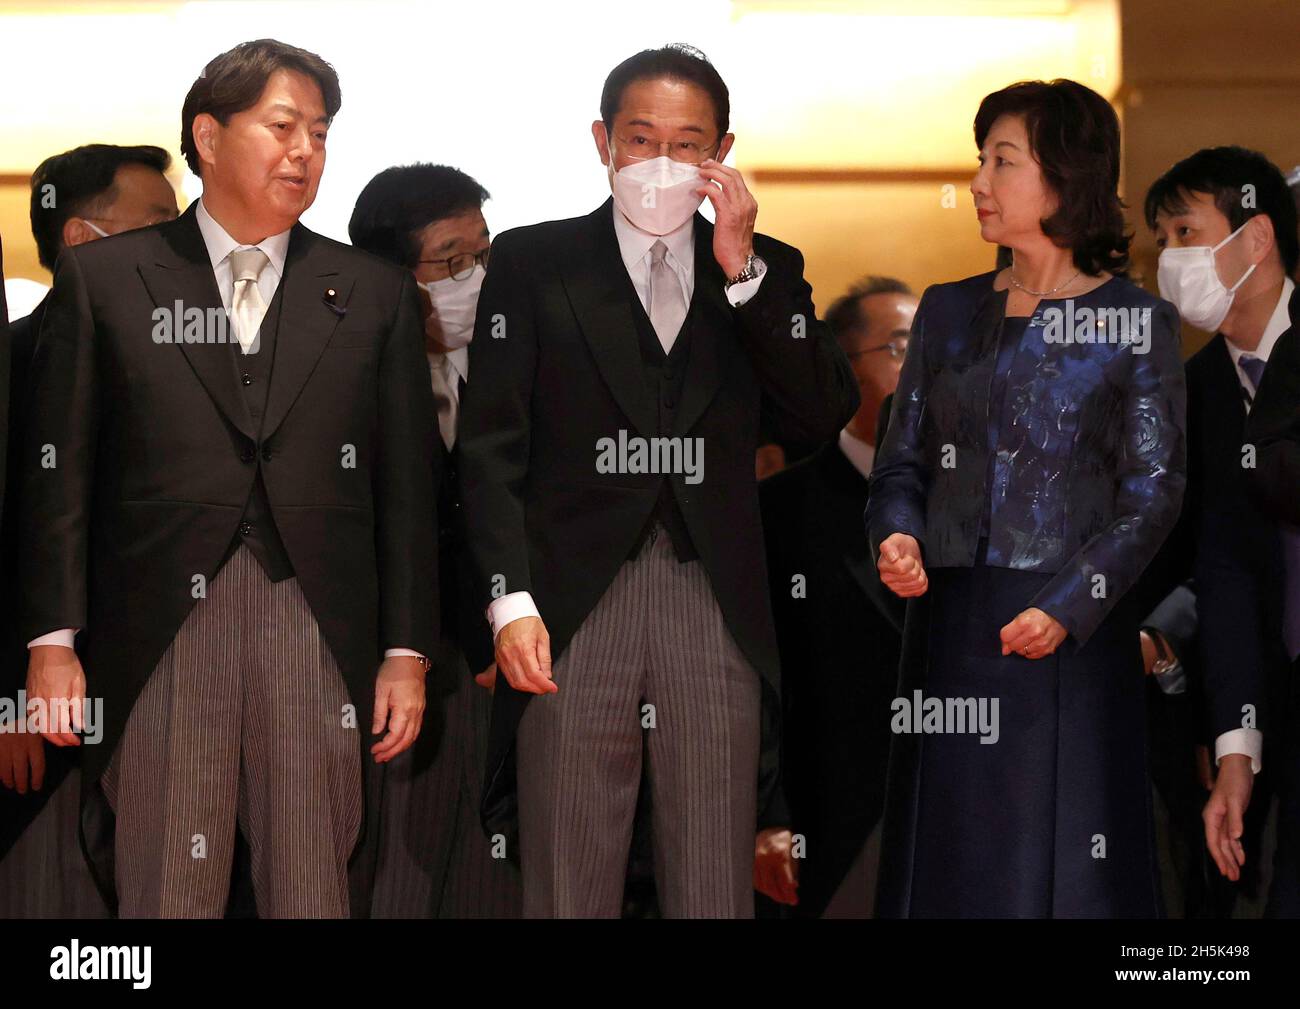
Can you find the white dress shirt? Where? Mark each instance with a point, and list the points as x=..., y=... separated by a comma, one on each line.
x=1251, y=741
x=220, y=245
x=860, y=453
x=1278, y=323
x=634, y=245
x=446, y=371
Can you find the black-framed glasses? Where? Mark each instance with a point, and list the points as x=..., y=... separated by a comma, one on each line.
x=896, y=348
x=638, y=147
x=461, y=266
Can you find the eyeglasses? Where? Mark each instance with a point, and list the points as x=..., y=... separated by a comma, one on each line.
x=896, y=348
x=637, y=147
x=460, y=267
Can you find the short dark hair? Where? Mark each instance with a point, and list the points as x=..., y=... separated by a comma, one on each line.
x=235, y=80
x=1222, y=173
x=81, y=182
x=845, y=313
x=401, y=201
x=676, y=61
x=1074, y=136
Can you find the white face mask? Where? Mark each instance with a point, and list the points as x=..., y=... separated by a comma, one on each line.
x=96, y=229
x=454, y=304
x=1187, y=277
x=658, y=195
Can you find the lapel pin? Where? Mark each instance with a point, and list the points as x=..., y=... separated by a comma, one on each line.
x=328, y=298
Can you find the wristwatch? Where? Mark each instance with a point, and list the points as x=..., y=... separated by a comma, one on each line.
x=753, y=267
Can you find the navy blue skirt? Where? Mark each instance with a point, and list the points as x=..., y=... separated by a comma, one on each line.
x=1053, y=819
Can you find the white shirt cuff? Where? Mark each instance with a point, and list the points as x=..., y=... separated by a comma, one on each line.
x=390, y=652
x=64, y=637
x=740, y=293
x=1247, y=741
x=509, y=608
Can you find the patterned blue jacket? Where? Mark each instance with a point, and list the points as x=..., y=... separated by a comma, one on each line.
x=1088, y=476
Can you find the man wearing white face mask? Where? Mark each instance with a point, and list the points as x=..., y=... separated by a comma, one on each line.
x=621, y=362
x=432, y=859
x=1226, y=225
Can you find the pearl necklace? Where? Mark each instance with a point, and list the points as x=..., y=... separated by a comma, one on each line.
x=1041, y=294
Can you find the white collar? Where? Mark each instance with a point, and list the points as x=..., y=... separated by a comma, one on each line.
x=1278, y=323
x=634, y=243
x=457, y=359
x=860, y=453
x=220, y=244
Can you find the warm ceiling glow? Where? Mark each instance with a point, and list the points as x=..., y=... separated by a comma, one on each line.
x=870, y=84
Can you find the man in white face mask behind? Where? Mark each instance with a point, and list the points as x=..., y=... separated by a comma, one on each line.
x=1226, y=227
x=432, y=859
x=620, y=364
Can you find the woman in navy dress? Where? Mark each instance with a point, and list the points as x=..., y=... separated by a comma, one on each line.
x=1033, y=464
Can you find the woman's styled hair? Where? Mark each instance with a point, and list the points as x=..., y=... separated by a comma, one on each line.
x=1074, y=136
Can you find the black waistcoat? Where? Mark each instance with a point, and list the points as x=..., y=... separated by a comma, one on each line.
x=663, y=375
x=257, y=529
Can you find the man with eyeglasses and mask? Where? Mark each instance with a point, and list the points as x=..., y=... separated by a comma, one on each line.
x=839, y=634
x=621, y=362
x=432, y=858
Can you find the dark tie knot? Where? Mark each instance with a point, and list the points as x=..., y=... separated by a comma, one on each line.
x=1253, y=367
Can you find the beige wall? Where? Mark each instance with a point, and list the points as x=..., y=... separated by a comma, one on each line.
x=884, y=90
x=1202, y=74
x=901, y=229
x=19, y=249
x=1182, y=75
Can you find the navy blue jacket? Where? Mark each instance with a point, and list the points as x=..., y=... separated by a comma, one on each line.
x=1090, y=462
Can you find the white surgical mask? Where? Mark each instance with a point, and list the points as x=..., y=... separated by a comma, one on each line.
x=658, y=195
x=96, y=229
x=1187, y=277
x=454, y=304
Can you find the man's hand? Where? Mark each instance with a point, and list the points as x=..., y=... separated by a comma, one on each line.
x=54, y=675
x=1033, y=634
x=524, y=655
x=776, y=871
x=22, y=761
x=488, y=678
x=399, y=704
x=900, y=567
x=1148, y=651
x=1224, y=812
x=735, y=210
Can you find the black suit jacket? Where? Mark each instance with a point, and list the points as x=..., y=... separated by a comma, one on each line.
x=157, y=457
x=840, y=640
x=18, y=811
x=18, y=361
x=1237, y=562
x=556, y=366
x=1274, y=427
x=461, y=617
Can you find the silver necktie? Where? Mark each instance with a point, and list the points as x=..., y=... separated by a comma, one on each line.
x=667, y=301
